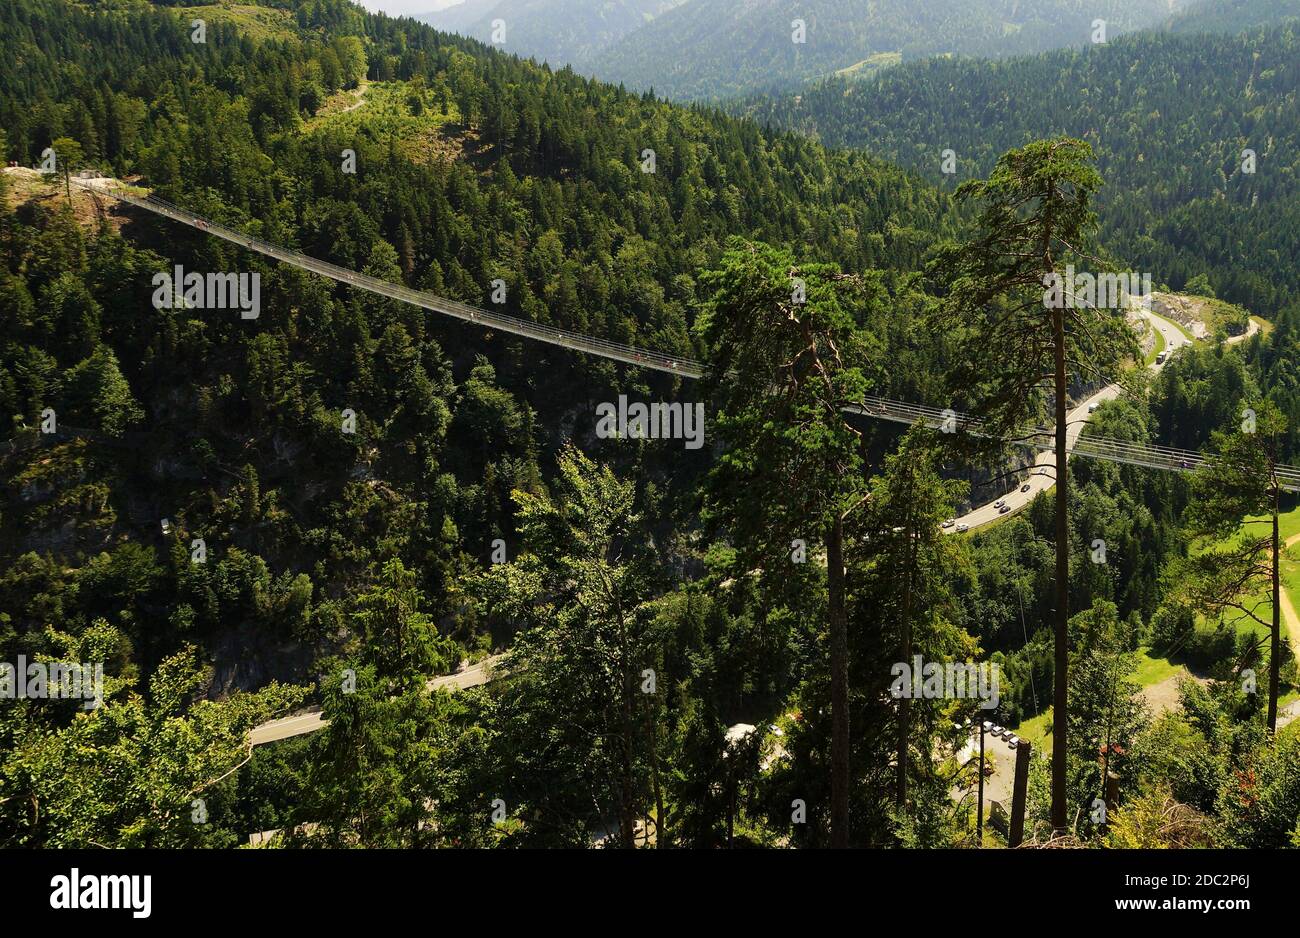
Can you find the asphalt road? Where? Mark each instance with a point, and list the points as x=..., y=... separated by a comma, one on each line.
x=1042, y=475
x=998, y=786
x=302, y=723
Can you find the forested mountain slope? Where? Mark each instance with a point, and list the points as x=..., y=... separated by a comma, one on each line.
x=201, y=519
x=713, y=49
x=471, y=167
x=1171, y=118
x=1233, y=16
x=351, y=495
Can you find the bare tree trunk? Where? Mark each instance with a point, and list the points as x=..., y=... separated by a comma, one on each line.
x=1275, y=653
x=661, y=822
x=839, y=641
x=627, y=810
x=1060, y=703
x=905, y=702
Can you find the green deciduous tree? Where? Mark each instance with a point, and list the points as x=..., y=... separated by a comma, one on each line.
x=579, y=714
x=133, y=771
x=1260, y=807
x=375, y=768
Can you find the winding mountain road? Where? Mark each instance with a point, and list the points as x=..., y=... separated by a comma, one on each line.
x=1042, y=474
x=310, y=722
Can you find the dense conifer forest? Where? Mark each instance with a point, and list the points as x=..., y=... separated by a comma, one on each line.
x=686, y=647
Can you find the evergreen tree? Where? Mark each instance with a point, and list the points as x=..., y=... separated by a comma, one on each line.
x=1237, y=490
x=1017, y=332
x=785, y=358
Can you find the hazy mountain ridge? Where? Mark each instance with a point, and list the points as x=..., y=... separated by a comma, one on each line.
x=459, y=18
x=718, y=48
x=1233, y=16
x=556, y=31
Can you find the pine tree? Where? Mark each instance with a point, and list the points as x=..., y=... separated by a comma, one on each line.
x=1237, y=489
x=1022, y=344
x=785, y=357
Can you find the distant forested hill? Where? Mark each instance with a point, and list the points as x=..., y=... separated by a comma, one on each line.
x=718, y=48
x=1171, y=117
x=561, y=32
x=1233, y=16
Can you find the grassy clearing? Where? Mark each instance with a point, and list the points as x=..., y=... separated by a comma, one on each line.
x=1288, y=527
x=1219, y=315
x=1289, y=524
x=1035, y=730
x=383, y=111
x=1151, y=670
x=1261, y=603
x=261, y=24
x=872, y=64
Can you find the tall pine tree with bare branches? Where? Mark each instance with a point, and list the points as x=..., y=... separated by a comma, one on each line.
x=1024, y=336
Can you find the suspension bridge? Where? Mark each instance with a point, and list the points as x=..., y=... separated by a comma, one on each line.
x=1151, y=456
